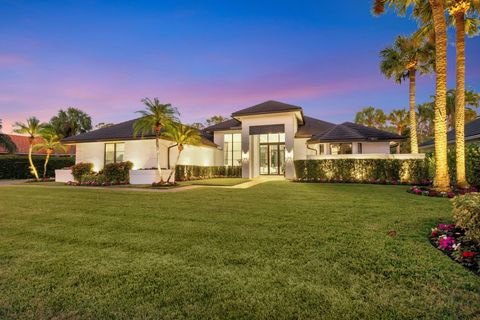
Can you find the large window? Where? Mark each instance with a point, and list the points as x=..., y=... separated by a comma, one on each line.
x=114, y=152
x=272, y=138
x=232, y=149
x=340, y=148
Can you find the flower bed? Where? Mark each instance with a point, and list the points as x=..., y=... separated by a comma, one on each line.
x=426, y=191
x=164, y=184
x=370, y=181
x=95, y=183
x=452, y=241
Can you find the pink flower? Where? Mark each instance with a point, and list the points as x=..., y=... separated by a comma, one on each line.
x=446, y=243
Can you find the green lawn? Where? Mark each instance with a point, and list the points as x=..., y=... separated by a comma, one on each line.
x=214, y=182
x=276, y=250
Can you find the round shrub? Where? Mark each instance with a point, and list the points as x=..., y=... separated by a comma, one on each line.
x=466, y=213
x=81, y=169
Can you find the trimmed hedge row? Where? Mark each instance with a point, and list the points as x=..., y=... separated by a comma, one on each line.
x=362, y=170
x=18, y=167
x=472, y=164
x=184, y=173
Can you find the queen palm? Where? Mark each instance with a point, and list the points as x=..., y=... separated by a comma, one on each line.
x=399, y=119
x=371, y=117
x=50, y=142
x=181, y=135
x=154, y=118
x=461, y=11
x=33, y=128
x=402, y=61
x=442, y=180
x=6, y=142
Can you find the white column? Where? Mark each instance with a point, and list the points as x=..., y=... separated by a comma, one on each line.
x=245, y=152
x=289, y=144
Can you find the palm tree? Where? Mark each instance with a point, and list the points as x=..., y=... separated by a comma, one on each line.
x=459, y=9
x=6, y=142
x=50, y=143
x=371, y=117
x=154, y=118
x=471, y=101
x=181, y=135
x=71, y=122
x=401, y=61
x=437, y=16
x=399, y=119
x=33, y=128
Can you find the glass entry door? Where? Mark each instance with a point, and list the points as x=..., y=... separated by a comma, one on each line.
x=272, y=158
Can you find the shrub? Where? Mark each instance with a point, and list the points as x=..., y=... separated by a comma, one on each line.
x=17, y=167
x=81, y=169
x=184, y=172
x=117, y=172
x=362, y=170
x=466, y=213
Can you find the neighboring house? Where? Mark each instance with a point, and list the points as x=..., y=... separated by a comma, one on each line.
x=472, y=135
x=263, y=139
x=23, y=144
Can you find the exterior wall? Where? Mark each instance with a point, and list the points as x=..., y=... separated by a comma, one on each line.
x=402, y=156
x=376, y=147
x=142, y=153
x=302, y=152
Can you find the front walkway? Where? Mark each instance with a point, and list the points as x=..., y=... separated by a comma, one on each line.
x=257, y=180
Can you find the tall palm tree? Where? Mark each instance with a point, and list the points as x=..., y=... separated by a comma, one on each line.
x=33, y=128
x=6, y=142
x=154, y=118
x=181, y=135
x=402, y=61
x=442, y=180
x=399, y=119
x=471, y=101
x=459, y=9
x=426, y=114
x=51, y=142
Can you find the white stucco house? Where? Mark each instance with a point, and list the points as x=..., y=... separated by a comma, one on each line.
x=263, y=139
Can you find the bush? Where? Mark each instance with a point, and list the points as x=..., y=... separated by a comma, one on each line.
x=117, y=172
x=184, y=173
x=17, y=167
x=81, y=169
x=466, y=213
x=362, y=170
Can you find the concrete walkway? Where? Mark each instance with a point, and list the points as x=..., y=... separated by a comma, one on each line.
x=257, y=180
x=11, y=182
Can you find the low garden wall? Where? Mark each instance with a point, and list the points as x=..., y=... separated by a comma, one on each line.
x=149, y=176
x=184, y=173
x=17, y=167
x=362, y=170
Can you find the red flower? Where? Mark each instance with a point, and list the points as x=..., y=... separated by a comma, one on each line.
x=469, y=254
x=434, y=234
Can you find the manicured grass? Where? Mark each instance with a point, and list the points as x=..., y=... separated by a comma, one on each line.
x=276, y=250
x=214, y=182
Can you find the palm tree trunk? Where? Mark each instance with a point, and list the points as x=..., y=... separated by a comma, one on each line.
x=32, y=166
x=460, y=100
x=399, y=132
x=159, y=166
x=175, y=165
x=442, y=181
x=413, y=116
x=46, y=163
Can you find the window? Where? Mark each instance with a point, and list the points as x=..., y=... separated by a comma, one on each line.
x=272, y=138
x=114, y=152
x=360, y=148
x=321, y=148
x=341, y=148
x=232, y=149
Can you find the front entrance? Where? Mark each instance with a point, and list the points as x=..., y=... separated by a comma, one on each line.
x=272, y=158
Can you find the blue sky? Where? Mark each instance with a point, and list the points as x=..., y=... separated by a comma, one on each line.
x=205, y=57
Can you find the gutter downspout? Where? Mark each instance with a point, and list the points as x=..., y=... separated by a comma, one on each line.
x=316, y=151
x=168, y=154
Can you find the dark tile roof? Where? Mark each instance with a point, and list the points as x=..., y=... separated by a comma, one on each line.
x=225, y=125
x=349, y=131
x=267, y=107
x=121, y=131
x=312, y=127
x=472, y=129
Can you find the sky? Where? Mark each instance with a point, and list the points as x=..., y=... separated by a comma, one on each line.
x=204, y=57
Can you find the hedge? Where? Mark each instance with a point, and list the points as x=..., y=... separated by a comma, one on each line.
x=466, y=213
x=472, y=164
x=184, y=173
x=17, y=167
x=362, y=170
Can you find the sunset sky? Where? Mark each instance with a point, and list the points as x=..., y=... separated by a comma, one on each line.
x=204, y=57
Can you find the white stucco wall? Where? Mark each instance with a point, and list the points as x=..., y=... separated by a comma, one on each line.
x=376, y=147
x=142, y=153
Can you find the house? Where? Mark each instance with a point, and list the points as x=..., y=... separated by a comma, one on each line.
x=263, y=139
x=472, y=135
x=23, y=144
